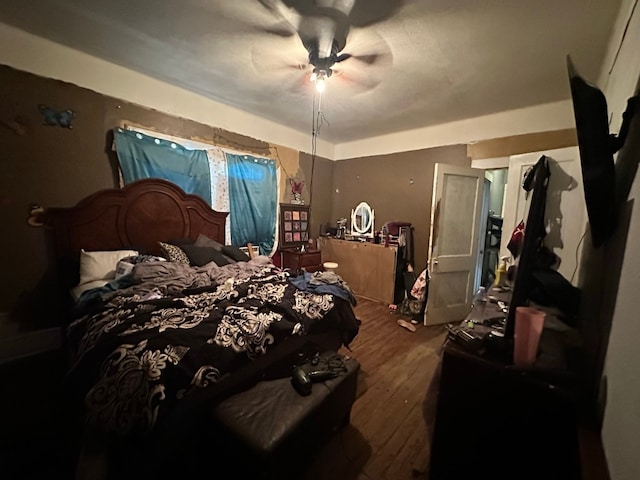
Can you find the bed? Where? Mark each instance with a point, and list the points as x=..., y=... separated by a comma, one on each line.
x=150, y=355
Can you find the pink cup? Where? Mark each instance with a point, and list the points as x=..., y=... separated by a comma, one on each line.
x=528, y=328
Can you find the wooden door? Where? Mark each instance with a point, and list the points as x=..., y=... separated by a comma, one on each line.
x=565, y=211
x=453, y=243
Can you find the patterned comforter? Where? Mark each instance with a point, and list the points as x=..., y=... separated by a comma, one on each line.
x=178, y=329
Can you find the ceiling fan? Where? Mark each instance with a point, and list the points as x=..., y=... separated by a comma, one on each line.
x=324, y=26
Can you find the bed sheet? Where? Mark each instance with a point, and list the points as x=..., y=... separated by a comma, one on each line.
x=176, y=331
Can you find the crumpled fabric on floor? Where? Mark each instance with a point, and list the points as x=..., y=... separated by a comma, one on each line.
x=324, y=282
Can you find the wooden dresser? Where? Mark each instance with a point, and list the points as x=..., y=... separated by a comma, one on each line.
x=368, y=268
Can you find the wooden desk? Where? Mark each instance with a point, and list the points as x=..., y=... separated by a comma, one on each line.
x=368, y=268
x=496, y=420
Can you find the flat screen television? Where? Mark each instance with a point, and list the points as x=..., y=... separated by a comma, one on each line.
x=597, y=147
x=596, y=155
x=536, y=183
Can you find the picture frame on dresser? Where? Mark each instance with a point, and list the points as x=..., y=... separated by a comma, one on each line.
x=294, y=225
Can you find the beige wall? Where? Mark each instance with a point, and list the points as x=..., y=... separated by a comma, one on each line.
x=321, y=185
x=49, y=166
x=516, y=144
x=397, y=186
x=616, y=322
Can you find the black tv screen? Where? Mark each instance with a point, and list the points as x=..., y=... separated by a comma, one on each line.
x=596, y=155
x=532, y=242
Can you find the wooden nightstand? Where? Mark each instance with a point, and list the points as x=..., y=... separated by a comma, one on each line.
x=310, y=261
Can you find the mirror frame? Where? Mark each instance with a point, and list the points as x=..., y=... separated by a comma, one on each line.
x=367, y=230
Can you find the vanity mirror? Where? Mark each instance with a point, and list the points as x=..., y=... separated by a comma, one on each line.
x=362, y=220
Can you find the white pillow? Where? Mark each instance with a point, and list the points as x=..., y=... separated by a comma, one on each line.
x=101, y=265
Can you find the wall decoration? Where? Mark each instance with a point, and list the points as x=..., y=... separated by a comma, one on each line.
x=296, y=191
x=294, y=225
x=54, y=118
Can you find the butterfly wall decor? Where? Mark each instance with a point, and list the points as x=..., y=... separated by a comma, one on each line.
x=296, y=190
x=54, y=118
x=296, y=187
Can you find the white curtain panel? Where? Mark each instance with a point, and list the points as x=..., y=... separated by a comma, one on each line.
x=220, y=186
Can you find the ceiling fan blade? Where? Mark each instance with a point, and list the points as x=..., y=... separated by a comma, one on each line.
x=283, y=12
x=369, y=48
x=283, y=31
x=279, y=62
x=369, y=59
x=258, y=21
x=317, y=7
x=367, y=12
x=355, y=82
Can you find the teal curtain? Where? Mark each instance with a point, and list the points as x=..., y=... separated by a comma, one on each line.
x=253, y=198
x=142, y=156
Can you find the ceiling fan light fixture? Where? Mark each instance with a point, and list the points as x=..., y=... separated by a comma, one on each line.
x=319, y=78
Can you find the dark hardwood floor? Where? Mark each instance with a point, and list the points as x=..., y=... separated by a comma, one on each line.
x=387, y=437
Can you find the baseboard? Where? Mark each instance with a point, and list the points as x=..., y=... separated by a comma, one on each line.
x=25, y=344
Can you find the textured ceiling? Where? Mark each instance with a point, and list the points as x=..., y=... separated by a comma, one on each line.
x=415, y=63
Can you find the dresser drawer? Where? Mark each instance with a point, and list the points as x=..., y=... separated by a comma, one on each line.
x=310, y=261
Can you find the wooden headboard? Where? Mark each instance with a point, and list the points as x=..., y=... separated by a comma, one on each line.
x=137, y=216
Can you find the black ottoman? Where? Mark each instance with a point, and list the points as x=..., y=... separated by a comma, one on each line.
x=273, y=431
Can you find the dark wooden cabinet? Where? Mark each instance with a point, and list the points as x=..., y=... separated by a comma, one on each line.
x=310, y=260
x=496, y=421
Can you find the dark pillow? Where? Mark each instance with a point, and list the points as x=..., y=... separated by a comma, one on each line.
x=200, y=256
x=229, y=259
x=204, y=241
x=181, y=241
x=235, y=253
